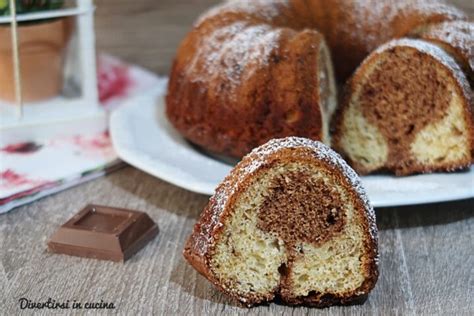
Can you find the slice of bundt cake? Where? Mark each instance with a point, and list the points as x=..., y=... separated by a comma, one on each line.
x=407, y=109
x=291, y=221
x=247, y=83
x=456, y=38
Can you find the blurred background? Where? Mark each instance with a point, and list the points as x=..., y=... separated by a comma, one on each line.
x=146, y=32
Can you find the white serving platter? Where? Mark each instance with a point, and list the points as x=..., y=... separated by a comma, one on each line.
x=143, y=137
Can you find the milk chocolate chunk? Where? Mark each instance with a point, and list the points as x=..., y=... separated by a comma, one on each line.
x=103, y=232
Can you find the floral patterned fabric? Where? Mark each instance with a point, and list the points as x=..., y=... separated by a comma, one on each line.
x=31, y=170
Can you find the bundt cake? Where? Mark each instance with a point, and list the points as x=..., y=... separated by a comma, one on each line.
x=407, y=109
x=253, y=70
x=455, y=37
x=291, y=221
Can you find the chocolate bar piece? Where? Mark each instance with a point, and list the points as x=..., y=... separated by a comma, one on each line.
x=103, y=232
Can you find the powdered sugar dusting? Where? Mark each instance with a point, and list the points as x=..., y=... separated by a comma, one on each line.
x=372, y=22
x=320, y=151
x=265, y=10
x=231, y=54
x=458, y=34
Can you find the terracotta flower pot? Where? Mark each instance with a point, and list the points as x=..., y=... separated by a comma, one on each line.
x=42, y=49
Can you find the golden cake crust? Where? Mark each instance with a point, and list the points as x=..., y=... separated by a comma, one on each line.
x=354, y=28
x=270, y=93
x=456, y=37
x=201, y=244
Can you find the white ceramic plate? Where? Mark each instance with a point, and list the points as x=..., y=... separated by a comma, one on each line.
x=144, y=138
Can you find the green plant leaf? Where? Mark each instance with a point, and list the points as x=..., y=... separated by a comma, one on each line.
x=3, y=6
x=28, y=6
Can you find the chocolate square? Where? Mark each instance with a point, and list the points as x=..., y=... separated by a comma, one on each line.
x=103, y=232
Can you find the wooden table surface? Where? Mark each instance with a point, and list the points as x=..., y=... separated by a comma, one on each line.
x=427, y=251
